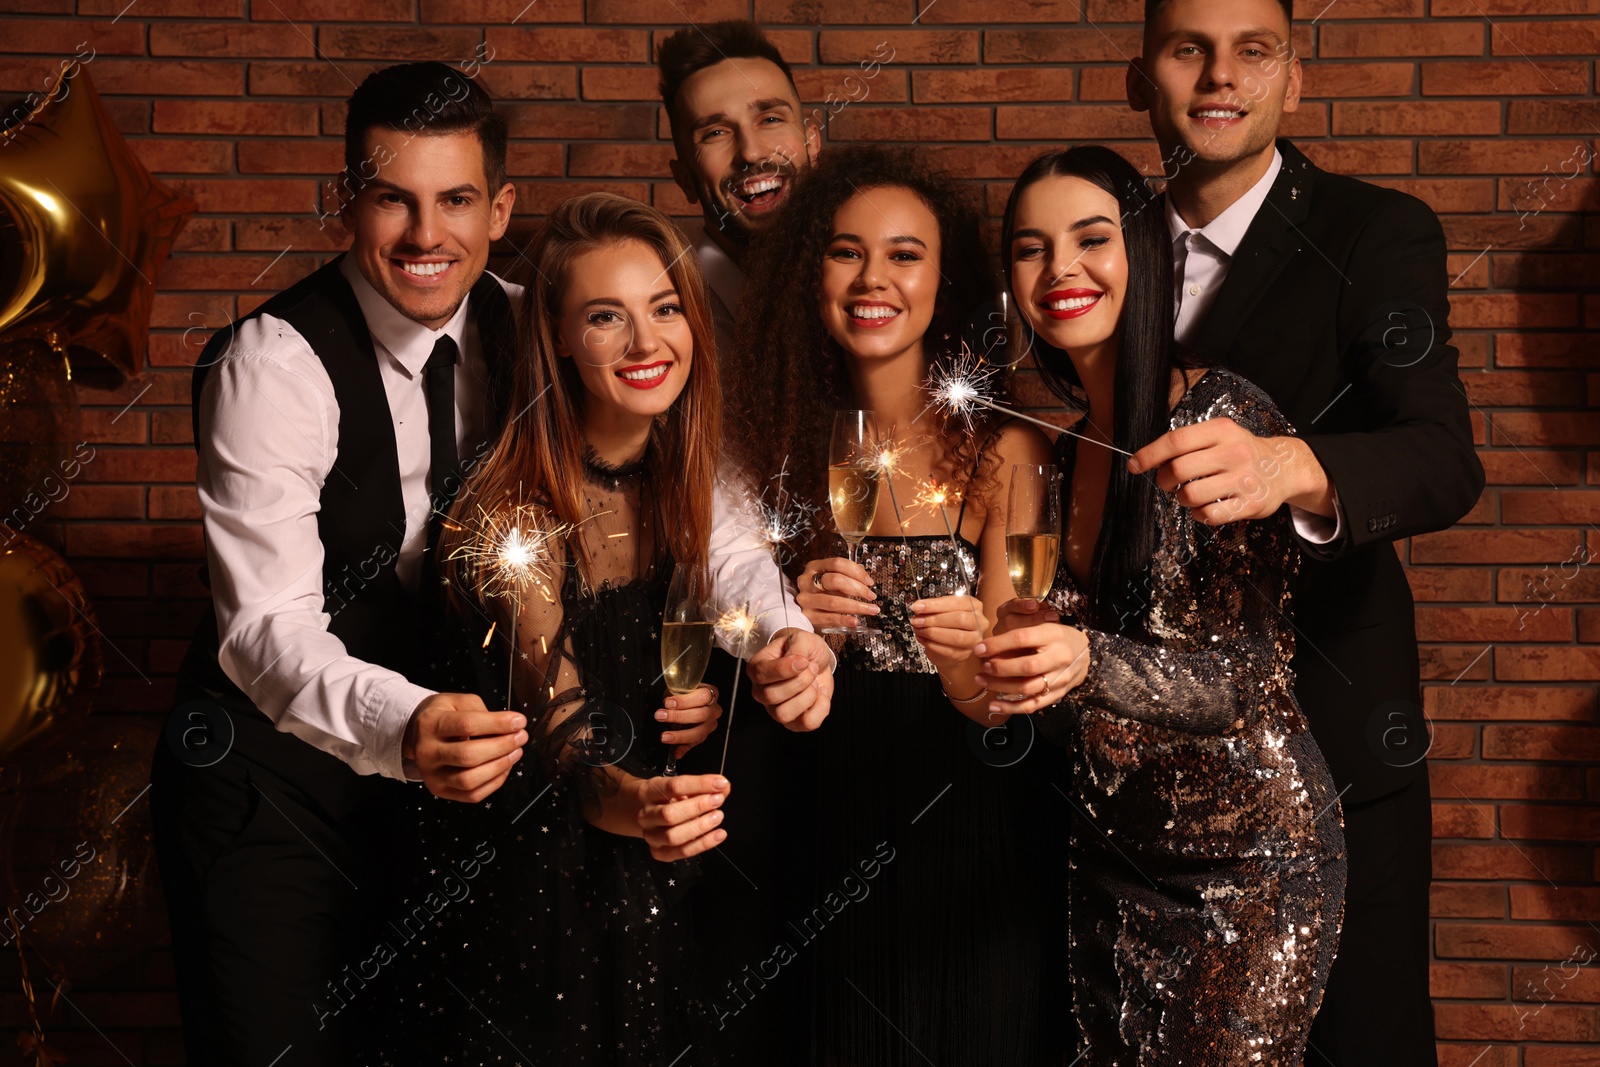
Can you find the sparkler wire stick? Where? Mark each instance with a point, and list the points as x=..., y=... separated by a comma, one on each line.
x=959, y=390
x=736, y=624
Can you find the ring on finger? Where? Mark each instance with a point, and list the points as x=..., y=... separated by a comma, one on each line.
x=816, y=580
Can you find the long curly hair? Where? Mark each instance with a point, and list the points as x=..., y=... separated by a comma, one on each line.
x=788, y=375
x=539, y=454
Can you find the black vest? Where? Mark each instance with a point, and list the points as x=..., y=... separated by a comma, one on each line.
x=362, y=518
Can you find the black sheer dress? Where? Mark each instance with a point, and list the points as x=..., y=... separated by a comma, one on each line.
x=1208, y=848
x=936, y=921
x=530, y=936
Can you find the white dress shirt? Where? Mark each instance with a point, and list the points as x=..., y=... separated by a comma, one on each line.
x=1200, y=261
x=272, y=436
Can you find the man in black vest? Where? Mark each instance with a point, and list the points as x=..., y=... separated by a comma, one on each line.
x=334, y=425
x=1330, y=294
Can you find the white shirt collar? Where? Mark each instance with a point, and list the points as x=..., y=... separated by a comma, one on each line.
x=1226, y=230
x=405, y=339
x=722, y=274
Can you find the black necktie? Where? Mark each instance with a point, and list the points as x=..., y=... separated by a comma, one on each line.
x=439, y=378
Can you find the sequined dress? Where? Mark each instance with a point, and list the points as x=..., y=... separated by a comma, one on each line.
x=530, y=936
x=935, y=929
x=1208, y=848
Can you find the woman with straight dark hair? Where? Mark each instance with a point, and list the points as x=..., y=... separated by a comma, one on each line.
x=542, y=923
x=1207, y=842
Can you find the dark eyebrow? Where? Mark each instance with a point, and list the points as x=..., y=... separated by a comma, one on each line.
x=455, y=190
x=1092, y=220
x=720, y=117
x=898, y=238
x=613, y=302
x=1253, y=33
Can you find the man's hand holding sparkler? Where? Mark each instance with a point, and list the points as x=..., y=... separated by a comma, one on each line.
x=463, y=750
x=793, y=678
x=1224, y=473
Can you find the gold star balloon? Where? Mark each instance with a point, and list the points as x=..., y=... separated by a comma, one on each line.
x=84, y=229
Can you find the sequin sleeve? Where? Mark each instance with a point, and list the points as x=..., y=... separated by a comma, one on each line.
x=1219, y=641
x=1226, y=656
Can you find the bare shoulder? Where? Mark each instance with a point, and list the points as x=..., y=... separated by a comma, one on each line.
x=1021, y=442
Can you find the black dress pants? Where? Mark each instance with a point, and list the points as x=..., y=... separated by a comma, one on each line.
x=279, y=864
x=1377, y=1009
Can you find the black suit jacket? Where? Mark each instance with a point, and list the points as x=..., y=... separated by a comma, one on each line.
x=1335, y=303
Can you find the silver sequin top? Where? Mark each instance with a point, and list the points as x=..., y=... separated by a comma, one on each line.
x=905, y=570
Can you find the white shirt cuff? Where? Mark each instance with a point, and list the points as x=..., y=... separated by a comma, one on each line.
x=1319, y=530
x=387, y=708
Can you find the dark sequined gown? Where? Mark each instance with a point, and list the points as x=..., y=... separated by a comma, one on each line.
x=530, y=936
x=936, y=927
x=1208, y=848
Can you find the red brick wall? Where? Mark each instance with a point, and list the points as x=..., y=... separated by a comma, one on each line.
x=1483, y=108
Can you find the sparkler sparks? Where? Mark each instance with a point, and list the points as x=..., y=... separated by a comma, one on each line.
x=511, y=550
x=961, y=389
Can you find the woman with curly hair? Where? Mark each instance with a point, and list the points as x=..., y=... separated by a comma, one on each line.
x=929, y=926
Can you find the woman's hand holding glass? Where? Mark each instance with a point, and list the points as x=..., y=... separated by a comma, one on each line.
x=1032, y=657
x=695, y=715
x=834, y=594
x=681, y=816
x=949, y=628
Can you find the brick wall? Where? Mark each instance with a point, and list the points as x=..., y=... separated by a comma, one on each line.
x=1483, y=108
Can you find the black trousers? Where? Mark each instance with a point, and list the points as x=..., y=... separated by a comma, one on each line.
x=279, y=864
x=1377, y=1008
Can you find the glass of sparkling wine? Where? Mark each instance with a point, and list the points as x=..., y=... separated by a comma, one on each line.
x=686, y=636
x=1033, y=533
x=853, y=474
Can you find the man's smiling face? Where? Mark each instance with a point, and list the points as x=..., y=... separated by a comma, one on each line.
x=741, y=142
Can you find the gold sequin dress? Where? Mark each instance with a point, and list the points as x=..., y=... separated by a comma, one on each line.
x=1208, y=864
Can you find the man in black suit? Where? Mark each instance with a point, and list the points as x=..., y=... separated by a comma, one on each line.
x=1330, y=294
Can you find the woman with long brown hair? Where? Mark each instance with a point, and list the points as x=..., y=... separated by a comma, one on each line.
x=571, y=939
x=925, y=819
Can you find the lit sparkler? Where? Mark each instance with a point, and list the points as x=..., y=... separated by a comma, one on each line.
x=736, y=625
x=511, y=551
x=962, y=388
x=886, y=457
x=934, y=496
x=783, y=522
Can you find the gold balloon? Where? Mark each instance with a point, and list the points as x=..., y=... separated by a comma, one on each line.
x=51, y=660
x=84, y=229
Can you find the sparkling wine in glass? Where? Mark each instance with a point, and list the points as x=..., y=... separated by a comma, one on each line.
x=853, y=480
x=686, y=637
x=1033, y=533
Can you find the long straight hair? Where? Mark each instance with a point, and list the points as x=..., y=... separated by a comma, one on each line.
x=538, y=455
x=1146, y=358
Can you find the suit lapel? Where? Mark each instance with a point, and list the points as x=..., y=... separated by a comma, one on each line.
x=1270, y=242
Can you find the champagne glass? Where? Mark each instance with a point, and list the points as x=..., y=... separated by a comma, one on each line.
x=1033, y=533
x=853, y=477
x=686, y=636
